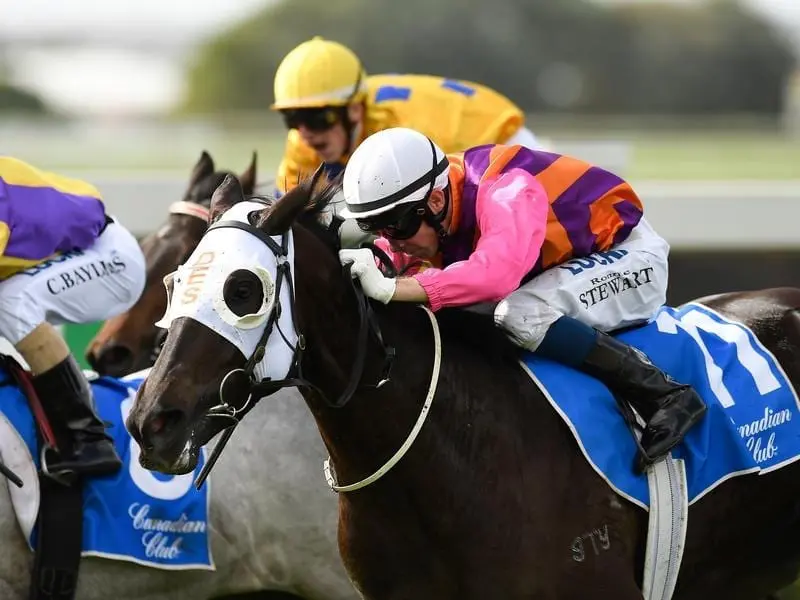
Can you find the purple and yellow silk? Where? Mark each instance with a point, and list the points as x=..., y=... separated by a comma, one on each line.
x=43, y=214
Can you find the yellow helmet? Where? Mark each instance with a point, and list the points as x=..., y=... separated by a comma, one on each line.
x=319, y=73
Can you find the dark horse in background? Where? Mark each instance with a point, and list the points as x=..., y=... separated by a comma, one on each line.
x=125, y=343
x=488, y=500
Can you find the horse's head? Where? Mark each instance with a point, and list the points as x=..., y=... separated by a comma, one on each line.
x=126, y=342
x=231, y=319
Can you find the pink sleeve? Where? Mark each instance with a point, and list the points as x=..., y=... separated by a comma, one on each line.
x=512, y=211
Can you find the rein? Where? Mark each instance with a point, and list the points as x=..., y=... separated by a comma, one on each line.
x=239, y=391
x=423, y=415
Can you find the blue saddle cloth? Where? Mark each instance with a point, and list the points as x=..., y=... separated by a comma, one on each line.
x=135, y=515
x=753, y=419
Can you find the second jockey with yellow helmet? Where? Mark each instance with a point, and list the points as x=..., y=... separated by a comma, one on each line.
x=329, y=104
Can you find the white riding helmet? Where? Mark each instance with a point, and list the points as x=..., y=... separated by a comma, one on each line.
x=392, y=167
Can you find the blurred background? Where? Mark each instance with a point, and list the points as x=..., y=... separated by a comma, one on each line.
x=696, y=102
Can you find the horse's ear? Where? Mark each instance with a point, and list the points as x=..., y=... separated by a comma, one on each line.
x=248, y=178
x=202, y=169
x=225, y=196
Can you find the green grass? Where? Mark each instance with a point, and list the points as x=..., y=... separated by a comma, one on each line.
x=689, y=155
x=676, y=155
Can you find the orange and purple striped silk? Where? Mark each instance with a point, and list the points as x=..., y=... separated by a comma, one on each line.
x=591, y=209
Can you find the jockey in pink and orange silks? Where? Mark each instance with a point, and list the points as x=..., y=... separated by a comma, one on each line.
x=561, y=245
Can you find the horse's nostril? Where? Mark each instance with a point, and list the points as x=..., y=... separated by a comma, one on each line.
x=157, y=424
x=163, y=423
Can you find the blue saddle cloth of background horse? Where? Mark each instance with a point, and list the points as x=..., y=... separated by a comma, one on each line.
x=753, y=419
x=135, y=515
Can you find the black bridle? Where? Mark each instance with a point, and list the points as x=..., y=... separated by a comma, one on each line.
x=240, y=391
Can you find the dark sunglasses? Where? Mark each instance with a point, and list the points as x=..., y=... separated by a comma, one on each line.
x=396, y=224
x=314, y=119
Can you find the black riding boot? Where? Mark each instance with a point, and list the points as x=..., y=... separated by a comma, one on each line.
x=669, y=408
x=84, y=446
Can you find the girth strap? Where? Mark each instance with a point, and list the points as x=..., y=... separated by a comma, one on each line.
x=59, y=539
x=59, y=524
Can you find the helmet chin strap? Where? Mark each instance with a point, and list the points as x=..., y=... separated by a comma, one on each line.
x=436, y=220
x=353, y=129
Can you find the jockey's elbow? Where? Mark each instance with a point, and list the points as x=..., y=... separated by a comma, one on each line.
x=501, y=285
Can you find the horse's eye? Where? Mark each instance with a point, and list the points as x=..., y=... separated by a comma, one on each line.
x=243, y=292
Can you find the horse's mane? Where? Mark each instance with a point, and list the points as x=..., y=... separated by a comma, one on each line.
x=302, y=205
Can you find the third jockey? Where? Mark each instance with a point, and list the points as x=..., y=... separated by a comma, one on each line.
x=63, y=260
x=330, y=105
x=561, y=244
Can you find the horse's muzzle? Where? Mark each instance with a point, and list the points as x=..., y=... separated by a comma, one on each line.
x=164, y=438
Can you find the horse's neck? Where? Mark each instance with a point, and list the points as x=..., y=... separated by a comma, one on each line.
x=362, y=435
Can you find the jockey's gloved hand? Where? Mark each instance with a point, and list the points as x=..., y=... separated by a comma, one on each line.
x=373, y=282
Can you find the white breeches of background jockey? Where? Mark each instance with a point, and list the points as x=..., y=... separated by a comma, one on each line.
x=608, y=290
x=79, y=286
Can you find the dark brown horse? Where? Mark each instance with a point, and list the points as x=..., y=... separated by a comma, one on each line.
x=125, y=343
x=297, y=538
x=490, y=497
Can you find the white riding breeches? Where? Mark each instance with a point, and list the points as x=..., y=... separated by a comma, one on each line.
x=79, y=286
x=608, y=290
